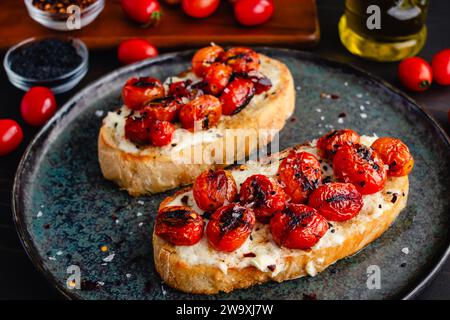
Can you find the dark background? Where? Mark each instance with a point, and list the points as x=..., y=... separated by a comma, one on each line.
x=20, y=280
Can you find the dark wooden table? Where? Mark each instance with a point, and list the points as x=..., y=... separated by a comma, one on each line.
x=20, y=280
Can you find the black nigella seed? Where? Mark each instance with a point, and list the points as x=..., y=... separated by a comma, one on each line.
x=45, y=59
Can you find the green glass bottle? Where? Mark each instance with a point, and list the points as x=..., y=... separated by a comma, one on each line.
x=384, y=30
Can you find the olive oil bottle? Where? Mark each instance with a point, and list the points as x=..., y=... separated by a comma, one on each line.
x=384, y=30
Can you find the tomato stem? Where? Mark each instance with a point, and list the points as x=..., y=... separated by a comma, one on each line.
x=424, y=84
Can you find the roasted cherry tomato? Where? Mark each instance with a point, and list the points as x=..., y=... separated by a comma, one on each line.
x=299, y=174
x=336, y=201
x=415, y=74
x=236, y=96
x=242, y=60
x=260, y=81
x=38, y=105
x=298, y=227
x=395, y=154
x=138, y=91
x=179, y=88
x=181, y=226
x=253, y=12
x=229, y=227
x=137, y=130
x=329, y=143
x=147, y=12
x=165, y=109
x=201, y=113
x=213, y=189
x=134, y=50
x=441, y=67
x=161, y=133
x=360, y=166
x=204, y=58
x=200, y=8
x=264, y=195
x=11, y=136
x=217, y=77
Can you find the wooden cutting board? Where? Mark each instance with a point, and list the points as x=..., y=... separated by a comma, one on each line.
x=294, y=24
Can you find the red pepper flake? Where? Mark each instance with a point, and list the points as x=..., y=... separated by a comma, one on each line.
x=272, y=267
x=46, y=226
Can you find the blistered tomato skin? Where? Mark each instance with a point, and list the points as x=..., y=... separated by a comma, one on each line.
x=161, y=133
x=137, y=130
x=179, y=225
x=395, y=154
x=299, y=174
x=203, y=112
x=179, y=88
x=165, y=109
x=298, y=227
x=332, y=141
x=11, y=136
x=236, y=96
x=229, y=227
x=242, y=60
x=264, y=195
x=213, y=189
x=138, y=91
x=336, y=201
x=204, y=58
x=360, y=166
x=217, y=77
x=260, y=81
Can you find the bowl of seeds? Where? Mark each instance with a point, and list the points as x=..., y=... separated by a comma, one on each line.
x=64, y=15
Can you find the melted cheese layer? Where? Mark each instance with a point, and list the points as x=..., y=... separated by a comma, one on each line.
x=265, y=254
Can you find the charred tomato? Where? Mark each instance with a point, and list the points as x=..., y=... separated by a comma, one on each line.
x=229, y=227
x=395, y=154
x=299, y=174
x=179, y=225
x=298, y=227
x=165, y=109
x=336, y=201
x=138, y=91
x=242, y=60
x=264, y=195
x=330, y=142
x=203, y=112
x=260, y=81
x=161, y=133
x=212, y=189
x=361, y=166
x=204, y=58
x=217, y=77
x=137, y=130
x=237, y=95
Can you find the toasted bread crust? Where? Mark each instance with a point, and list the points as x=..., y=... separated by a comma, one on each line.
x=209, y=279
x=155, y=172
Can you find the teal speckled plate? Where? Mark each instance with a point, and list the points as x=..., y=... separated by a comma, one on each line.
x=66, y=212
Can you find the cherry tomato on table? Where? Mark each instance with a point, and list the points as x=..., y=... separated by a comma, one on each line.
x=237, y=95
x=253, y=12
x=142, y=11
x=179, y=225
x=360, y=166
x=229, y=227
x=441, y=67
x=336, y=201
x=415, y=74
x=395, y=154
x=139, y=91
x=212, y=189
x=264, y=195
x=200, y=8
x=134, y=50
x=204, y=58
x=11, y=136
x=298, y=227
x=38, y=105
x=203, y=112
x=299, y=174
x=330, y=142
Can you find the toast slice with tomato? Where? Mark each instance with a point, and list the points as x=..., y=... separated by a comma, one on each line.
x=144, y=163
x=207, y=242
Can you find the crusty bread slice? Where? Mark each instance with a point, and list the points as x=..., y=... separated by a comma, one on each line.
x=151, y=170
x=190, y=270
